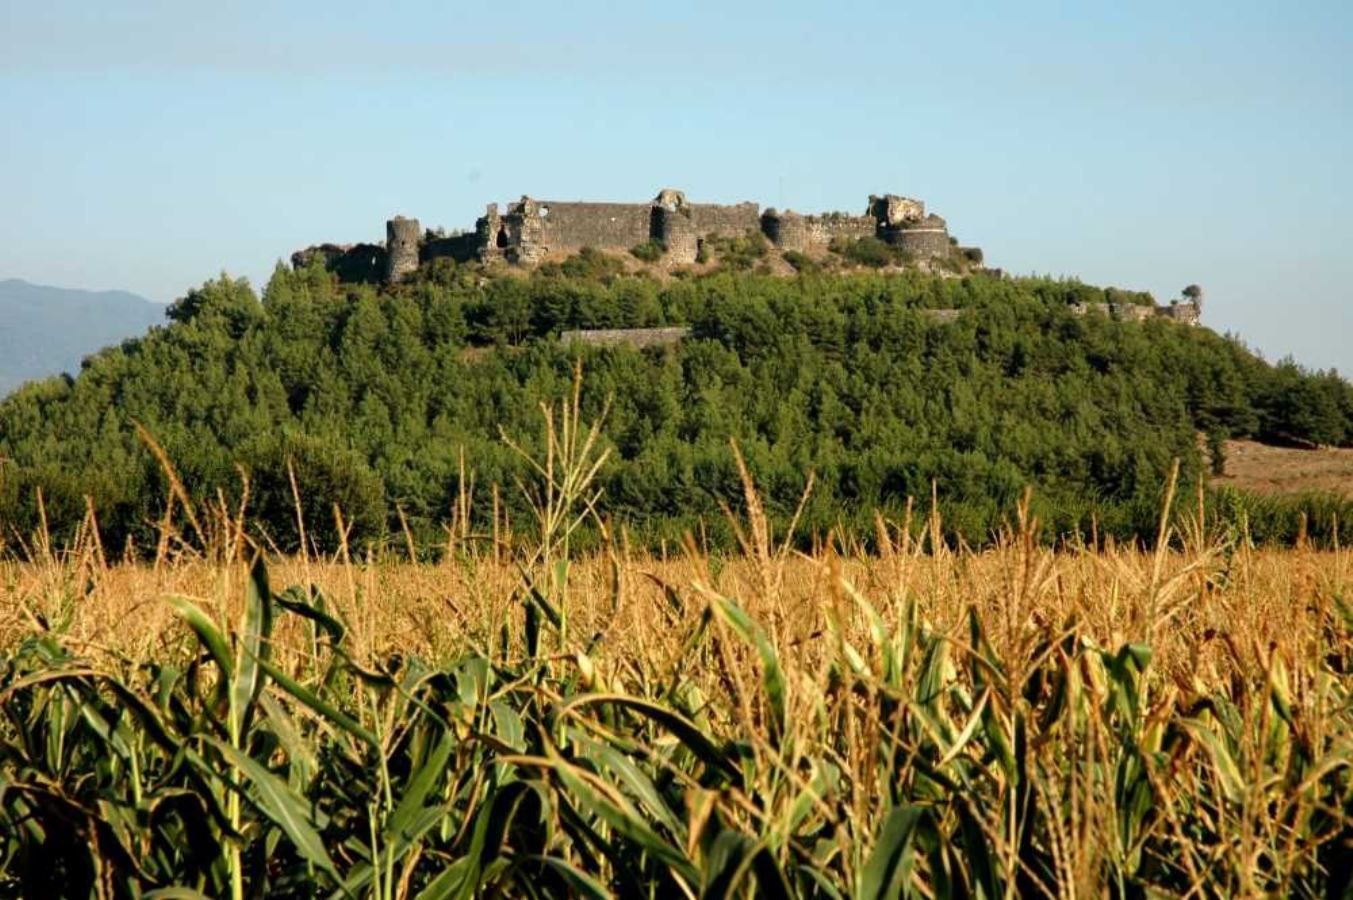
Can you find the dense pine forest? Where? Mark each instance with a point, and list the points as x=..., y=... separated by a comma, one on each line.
x=383, y=399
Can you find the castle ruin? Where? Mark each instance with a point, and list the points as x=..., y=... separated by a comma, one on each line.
x=529, y=231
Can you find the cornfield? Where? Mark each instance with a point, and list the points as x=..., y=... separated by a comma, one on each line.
x=919, y=721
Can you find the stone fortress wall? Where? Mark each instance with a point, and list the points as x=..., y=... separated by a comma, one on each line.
x=790, y=231
x=1186, y=312
x=528, y=231
x=568, y=227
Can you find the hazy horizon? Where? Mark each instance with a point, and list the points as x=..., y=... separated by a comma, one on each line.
x=152, y=146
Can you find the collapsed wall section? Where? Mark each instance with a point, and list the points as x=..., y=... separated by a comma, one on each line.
x=356, y=263
x=459, y=247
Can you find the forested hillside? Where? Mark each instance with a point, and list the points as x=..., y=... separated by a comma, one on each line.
x=373, y=394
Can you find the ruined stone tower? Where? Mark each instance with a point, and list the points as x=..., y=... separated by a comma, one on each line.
x=787, y=230
x=926, y=238
x=401, y=247
x=673, y=225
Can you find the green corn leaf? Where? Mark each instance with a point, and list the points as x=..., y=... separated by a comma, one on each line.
x=254, y=647
x=419, y=786
x=450, y=882
x=878, y=634
x=1278, y=691
x=283, y=727
x=686, y=731
x=822, y=882
x=507, y=725
x=909, y=628
x=532, y=630
x=688, y=648
x=976, y=850
x=63, y=674
x=535, y=597
x=580, y=883
x=889, y=863
x=975, y=719
x=727, y=862
x=622, y=818
x=772, y=676
x=325, y=709
x=472, y=680
x=401, y=844
x=1228, y=772
x=931, y=683
x=639, y=786
x=293, y=601
x=826, y=780
x=276, y=801
x=466, y=877
x=500, y=809
x=985, y=666
x=561, y=575
x=110, y=735
x=730, y=859
x=852, y=656
x=207, y=633
x=1063, y=690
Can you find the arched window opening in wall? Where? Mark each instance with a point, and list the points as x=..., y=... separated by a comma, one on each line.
x=502, y=237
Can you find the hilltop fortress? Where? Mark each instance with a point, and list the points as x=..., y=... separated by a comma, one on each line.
x=529, y=231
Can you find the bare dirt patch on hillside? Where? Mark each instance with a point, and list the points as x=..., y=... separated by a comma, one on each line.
x=1287, y=470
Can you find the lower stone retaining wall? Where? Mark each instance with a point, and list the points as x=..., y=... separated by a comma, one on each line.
x=632, y=337
x=1184, y=313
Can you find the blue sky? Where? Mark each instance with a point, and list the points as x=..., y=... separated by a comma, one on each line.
x=149, y=146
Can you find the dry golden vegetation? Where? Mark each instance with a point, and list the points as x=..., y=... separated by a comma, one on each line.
x=1204, y=612
x=923, y=721
x=1267, y=469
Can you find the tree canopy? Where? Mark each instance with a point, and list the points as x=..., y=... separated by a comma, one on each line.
x=371, y=395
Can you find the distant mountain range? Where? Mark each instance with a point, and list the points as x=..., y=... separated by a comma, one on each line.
x=47, y=330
